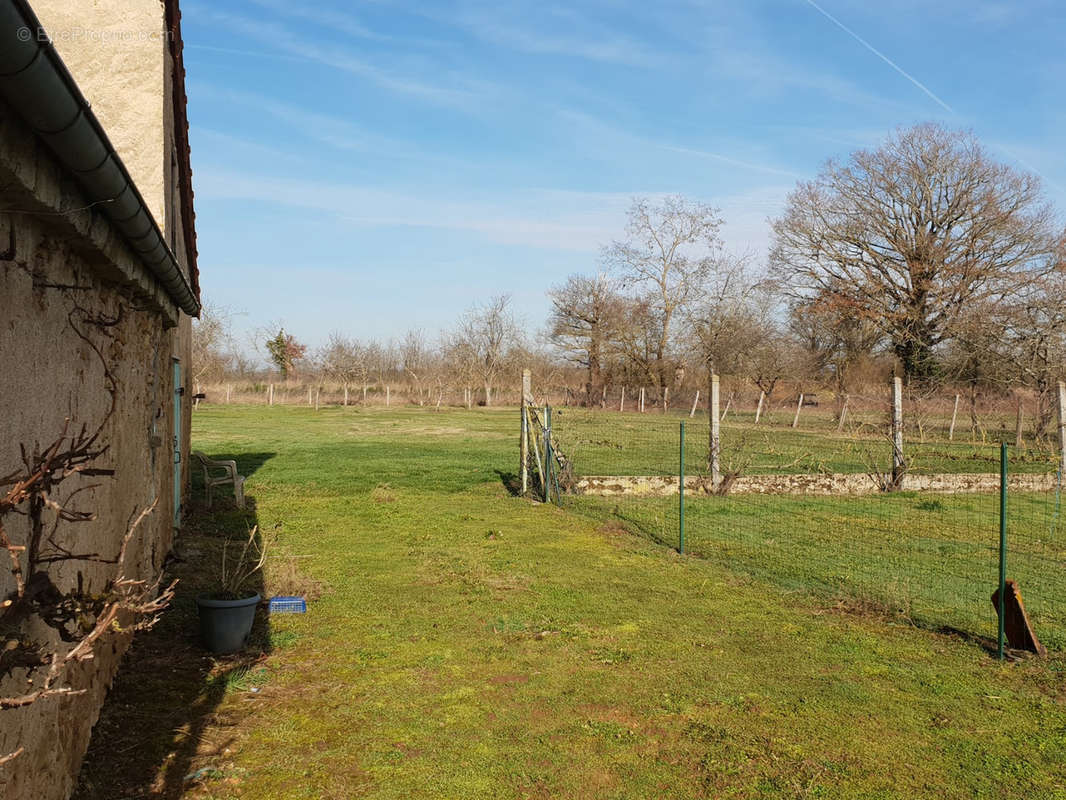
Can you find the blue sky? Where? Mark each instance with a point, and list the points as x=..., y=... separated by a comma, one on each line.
x=369, y=167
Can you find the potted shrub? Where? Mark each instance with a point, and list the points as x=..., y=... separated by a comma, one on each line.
x=228, y=612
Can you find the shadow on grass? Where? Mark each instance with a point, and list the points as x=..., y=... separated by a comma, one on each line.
x=153, y=732
x=510, y=481
x=986, y=643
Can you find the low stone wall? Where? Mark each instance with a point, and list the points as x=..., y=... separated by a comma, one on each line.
x=821, y=485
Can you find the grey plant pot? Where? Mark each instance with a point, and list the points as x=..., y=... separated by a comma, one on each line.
x=225, y=624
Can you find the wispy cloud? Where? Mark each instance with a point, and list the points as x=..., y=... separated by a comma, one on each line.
x=925, y=89
x=342, y=22
x=559, y=32
x=456, y=92
x=530, y=222
x=327, y=129
x=548, y=219
x=234, y=51
x=735, y=162
x=612, y=140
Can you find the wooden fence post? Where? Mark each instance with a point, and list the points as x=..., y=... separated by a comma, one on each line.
x=758, y=408
x=317, y=393
x=898, y=464
x=641, y=399
x=388, y=396
x=715, y=453
x=345, y=394
x=728, y=403
x=954, y=415
x=622, y=401
x=228, y=390
x=799, y=405
x=695, y=403
x=270, y=395
x=666, y=398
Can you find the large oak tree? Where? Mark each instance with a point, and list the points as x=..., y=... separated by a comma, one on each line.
x=911, y=233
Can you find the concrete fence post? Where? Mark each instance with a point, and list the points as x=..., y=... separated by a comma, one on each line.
x=715, y=450
x=758, y=408
x=270, y=395
x=954, y=416
x=1062, y=428
x=641, y=399
x=799, y=406
x=228, y=390
x=666, y=398
x=527, y=392
x=898, y=464
x=843, y=414
x=388, y=396
x=622, y=401
x=695, y=403
x=1019, y=424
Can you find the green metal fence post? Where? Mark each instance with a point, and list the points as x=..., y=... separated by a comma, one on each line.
x=681, y=493
x=1002, y=547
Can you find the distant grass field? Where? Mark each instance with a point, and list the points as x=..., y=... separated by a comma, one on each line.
x=612, y=443
x=472, y=644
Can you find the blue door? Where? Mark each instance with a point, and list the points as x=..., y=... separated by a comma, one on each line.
x=178, y=392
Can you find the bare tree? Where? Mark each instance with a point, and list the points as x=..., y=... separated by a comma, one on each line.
x=585, y=319
x=669, y=252
x=345, y=361
x=834, y=338
x=1036, y=343
x=211, y=342
x=729, y=318
x=909, y=234
x=382, y=360
x=485, y=339
x=414, y=358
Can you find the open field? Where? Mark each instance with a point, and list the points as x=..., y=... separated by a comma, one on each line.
x=472, y=644
x=612, y=443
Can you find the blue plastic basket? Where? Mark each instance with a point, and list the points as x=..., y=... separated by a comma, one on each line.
x=288, y=605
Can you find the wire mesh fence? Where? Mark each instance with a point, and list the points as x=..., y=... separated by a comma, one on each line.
x=810, y=502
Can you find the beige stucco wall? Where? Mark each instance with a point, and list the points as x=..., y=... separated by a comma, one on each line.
x=70, y=266
x=50, y=376
x=116, y=51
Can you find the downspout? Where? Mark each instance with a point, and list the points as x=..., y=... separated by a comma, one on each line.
x=40, y=89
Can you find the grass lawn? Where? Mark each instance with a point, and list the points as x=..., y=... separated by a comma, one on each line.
x=931, y=558
x=471, y=644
